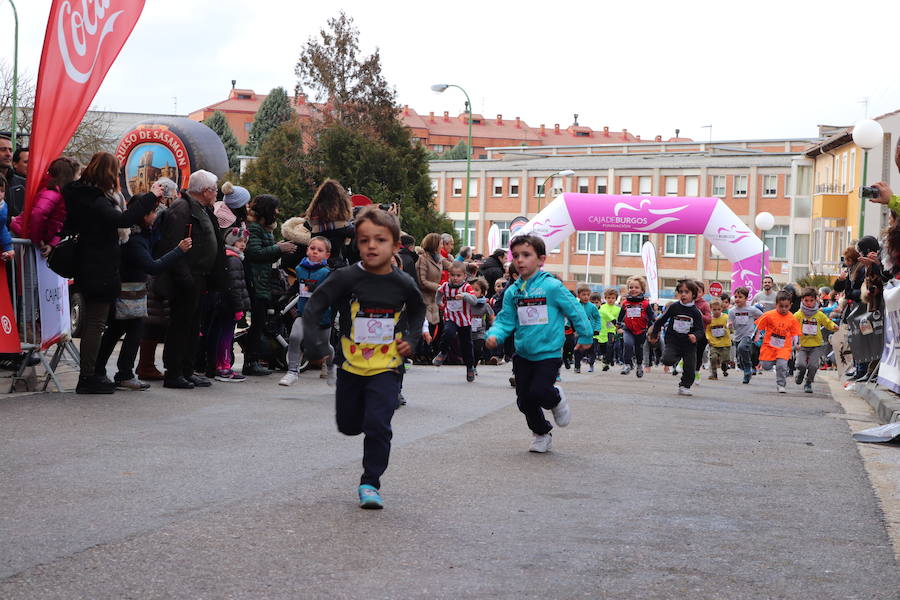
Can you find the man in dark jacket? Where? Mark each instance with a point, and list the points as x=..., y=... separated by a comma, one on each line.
x=15, y=185
x=192, y=278
x=492, y=267
x=408, y=256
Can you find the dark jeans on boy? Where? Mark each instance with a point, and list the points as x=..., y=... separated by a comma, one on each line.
x=568, y=349
x=744, y=354
x=535, y=391
x=452, y=331
x=183, y=333
x=634, y=347
x=590, y=355
x=684, y=350
x=366, y=404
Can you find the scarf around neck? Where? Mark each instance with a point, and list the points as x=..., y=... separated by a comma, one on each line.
x=809, y=311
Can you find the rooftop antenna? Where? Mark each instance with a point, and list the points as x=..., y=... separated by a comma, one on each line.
x=233, y=83
x=576, y=119
x=710, y=131
x=677, y=133
x=865, y=102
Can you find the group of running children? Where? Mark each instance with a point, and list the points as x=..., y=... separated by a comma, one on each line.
x=382, y=314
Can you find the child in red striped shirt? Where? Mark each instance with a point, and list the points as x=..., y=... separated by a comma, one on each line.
x=455, y=298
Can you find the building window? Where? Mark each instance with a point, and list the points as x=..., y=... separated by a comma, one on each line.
x=498, y=186
x=770, y=186
x=718, y=186
x=776, y=239
x=740, y=186
x=539, y=188
x=671, y=186
x=590, y=242
x=248, y=126
x=473, y=187
x=787, y=187
x=514, y=186
x=437, y=148
x=679, y=244
x=557, y=186
x=434, y=185
x=596, y=278
x=457, y=186
x=625, y=185
x=460, y=227
x=583, y=185
x=645, y=185
x=601, y=185
x=630, y=243
x=692, y=186
x=851, y=182
x=503, y=226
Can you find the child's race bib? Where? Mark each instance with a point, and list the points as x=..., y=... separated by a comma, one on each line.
x=633, y=312
x=810, y=327
x=533, y=311
x=455, y=305
x=718, y=332
x=303, y=290
x=373, y=326
x=476, y=323
x=865, y=327
x=742, y=319
x=682, y=324
x=776, y=341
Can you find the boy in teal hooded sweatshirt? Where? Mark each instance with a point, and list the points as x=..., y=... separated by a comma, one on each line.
x=534, y=311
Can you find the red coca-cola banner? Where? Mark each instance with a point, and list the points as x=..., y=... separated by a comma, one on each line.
x=83, y=39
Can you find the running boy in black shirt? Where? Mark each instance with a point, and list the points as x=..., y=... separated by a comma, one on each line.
x=381, y=313
x=684, y=326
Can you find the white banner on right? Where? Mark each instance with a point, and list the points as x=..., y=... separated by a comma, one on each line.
x=889, y=371
x=53, y=293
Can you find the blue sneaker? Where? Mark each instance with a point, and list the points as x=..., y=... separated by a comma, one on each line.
x=369, y=497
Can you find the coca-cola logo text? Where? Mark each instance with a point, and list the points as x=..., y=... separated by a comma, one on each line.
x=80, y=30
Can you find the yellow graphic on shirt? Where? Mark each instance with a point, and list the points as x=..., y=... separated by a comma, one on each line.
x=371, y=347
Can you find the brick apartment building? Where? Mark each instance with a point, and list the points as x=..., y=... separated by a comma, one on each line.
x=750, y=176
x=437, y=133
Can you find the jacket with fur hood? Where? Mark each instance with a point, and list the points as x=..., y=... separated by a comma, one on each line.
x=294, y=230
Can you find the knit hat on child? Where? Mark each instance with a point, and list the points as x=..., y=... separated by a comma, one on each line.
x=223, y=215
x=234, y=234
x=234, y=195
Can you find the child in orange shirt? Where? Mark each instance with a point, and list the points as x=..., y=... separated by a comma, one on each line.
x=782, y=332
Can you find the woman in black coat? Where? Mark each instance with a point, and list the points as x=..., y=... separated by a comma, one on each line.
x=95, y=214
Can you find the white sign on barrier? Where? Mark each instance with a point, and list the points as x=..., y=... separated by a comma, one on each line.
x=53, y=293
x=889, y=371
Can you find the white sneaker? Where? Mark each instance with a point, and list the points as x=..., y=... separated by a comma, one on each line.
x=290, y=378
x=782, y=389
x=541, y=443
x=561, y=412
x=331, y=377
x=683, y=391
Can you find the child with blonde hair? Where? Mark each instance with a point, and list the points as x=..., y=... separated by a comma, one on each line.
x=634, y=320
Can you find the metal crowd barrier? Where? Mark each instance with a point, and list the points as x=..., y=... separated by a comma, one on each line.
x=22, y=277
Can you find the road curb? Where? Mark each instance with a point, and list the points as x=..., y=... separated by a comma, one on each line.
x=886, y=404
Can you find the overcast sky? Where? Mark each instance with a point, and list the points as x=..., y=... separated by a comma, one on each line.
x=752, y=70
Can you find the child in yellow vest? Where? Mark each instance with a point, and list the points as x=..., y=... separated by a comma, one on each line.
x=719, y=338
x=812, y=346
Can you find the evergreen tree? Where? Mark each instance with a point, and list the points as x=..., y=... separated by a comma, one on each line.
x=219, y=124
x=282, y=168
x=360, y=141
x=275, y=110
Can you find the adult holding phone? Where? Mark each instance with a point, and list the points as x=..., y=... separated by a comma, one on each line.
x=191, y=279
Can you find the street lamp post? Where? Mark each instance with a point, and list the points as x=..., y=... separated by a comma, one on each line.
x=15, y=81
x=439, y=88
x=564, y=173
x=718, y=256
x=866, y=134
x=764, y=221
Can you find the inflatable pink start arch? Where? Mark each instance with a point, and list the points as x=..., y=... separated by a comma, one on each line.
x=711, y=217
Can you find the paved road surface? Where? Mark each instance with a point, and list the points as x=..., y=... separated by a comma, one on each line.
x=247, y=491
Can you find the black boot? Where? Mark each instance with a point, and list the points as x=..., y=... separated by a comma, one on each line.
x=255, y=369
x=94, y=385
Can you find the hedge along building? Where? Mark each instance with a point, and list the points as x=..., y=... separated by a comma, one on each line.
x=748, y=177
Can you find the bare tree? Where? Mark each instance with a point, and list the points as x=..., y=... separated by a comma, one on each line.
x=93, y=133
